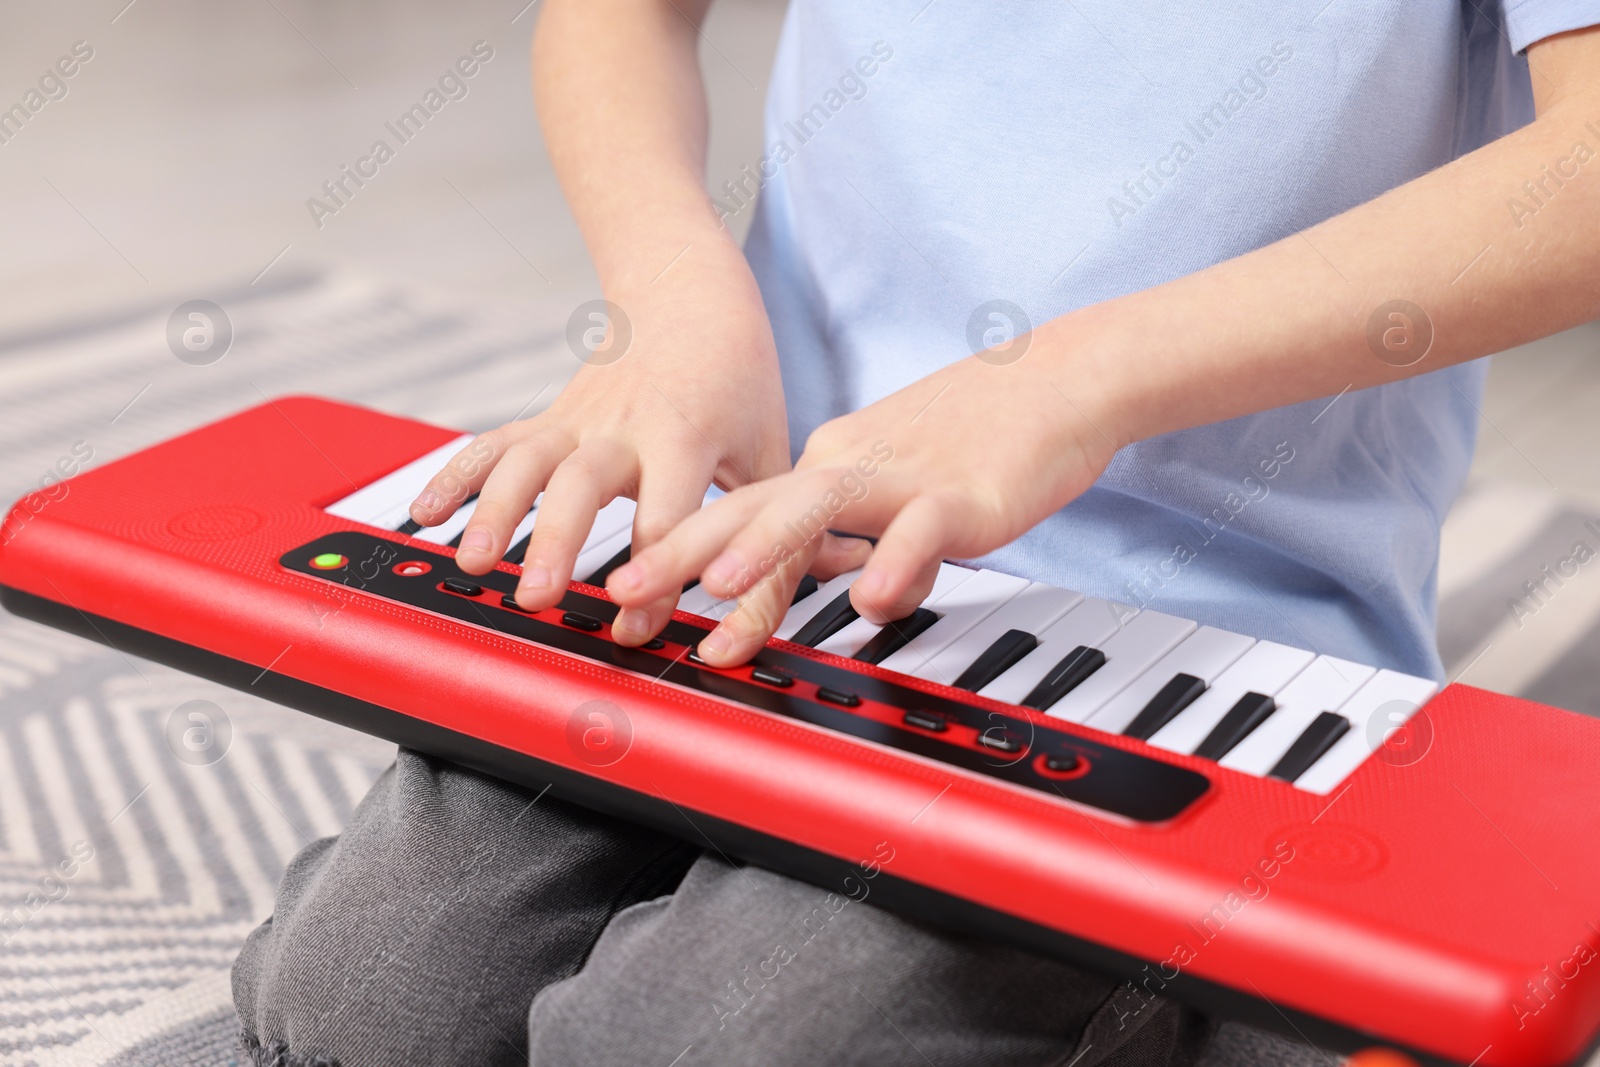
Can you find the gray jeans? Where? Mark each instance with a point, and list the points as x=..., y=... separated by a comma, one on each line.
x=461, y=920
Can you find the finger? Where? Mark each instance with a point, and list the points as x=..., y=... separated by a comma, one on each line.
x=800, y=509
x=663, y=567
x=837, y=554
x=589, y=478
x=905, y=562
x=458, y=479
x=509, y=492
x=667, y=495
x=746, y=630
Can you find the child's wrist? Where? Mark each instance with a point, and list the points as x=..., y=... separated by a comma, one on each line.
x=1100, y=369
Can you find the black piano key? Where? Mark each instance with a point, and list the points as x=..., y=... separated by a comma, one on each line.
x=808, y=585
x=1248, y=712
x=1064, y=677
x=599, y=576
x=1310, y=746
x=1183, y=690
x=830, y=620
x=895, y=635
x=1006, y=652
x=412, y=526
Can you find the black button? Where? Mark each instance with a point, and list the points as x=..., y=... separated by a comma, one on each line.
x=655, y=644
x=771, y=677
x=924, y=720
x=462, y=586
x=579, y=621
x=1000, y=741
x=694, y=657
x=850, y=700
x=510, y=601
x=1062, y=762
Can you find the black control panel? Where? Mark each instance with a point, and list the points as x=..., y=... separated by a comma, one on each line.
x=951, y=731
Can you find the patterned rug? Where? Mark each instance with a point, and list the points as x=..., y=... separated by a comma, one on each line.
x=129, y=876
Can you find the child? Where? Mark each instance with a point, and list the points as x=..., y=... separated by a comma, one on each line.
x=1225, y=270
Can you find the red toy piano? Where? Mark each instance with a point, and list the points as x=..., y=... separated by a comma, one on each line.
x=1302, y=842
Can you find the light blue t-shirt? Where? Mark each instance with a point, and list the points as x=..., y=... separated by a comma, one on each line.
x=926, y=158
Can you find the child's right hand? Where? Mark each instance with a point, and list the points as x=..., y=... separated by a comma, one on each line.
x=695, y=398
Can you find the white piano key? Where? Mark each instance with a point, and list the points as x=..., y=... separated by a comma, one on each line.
x=1091, y=623
x=700, y=602
x=1033, y=611
x=450, y=528
x=1323, y=686
x=375, y=502
x=595, y=553
x=1205, y=654
x=960, y=611
x=848, y=641
x=1130, y=652
x=1266, y=668
x=1382, y=705
x=524, y=528
x=800, y=614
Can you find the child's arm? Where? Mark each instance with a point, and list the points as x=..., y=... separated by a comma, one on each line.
x=983, y=452
x=696, y=396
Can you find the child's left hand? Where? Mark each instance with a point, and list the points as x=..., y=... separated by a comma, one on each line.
x=952, y=466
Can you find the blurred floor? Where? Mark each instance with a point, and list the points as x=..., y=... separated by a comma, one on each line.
x=185, y=150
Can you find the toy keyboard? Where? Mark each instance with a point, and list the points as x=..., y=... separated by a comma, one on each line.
x=1307, y=843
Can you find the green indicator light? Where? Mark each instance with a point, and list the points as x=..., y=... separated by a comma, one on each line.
x=328, y=561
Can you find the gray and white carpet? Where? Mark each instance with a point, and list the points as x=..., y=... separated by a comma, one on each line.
x=129, y=876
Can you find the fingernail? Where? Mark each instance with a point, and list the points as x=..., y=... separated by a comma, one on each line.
x=717, y=643
x=536, y=578
x=427, y=500
x=632, y=624
x=723, y=571
x=477, y=539
x=626, y=578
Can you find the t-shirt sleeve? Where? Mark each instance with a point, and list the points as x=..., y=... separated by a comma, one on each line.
x=1528, y=21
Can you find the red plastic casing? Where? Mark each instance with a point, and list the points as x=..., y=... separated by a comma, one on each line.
x=1447, y=903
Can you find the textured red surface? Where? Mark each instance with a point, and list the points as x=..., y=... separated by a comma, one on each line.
x=1418, y=904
